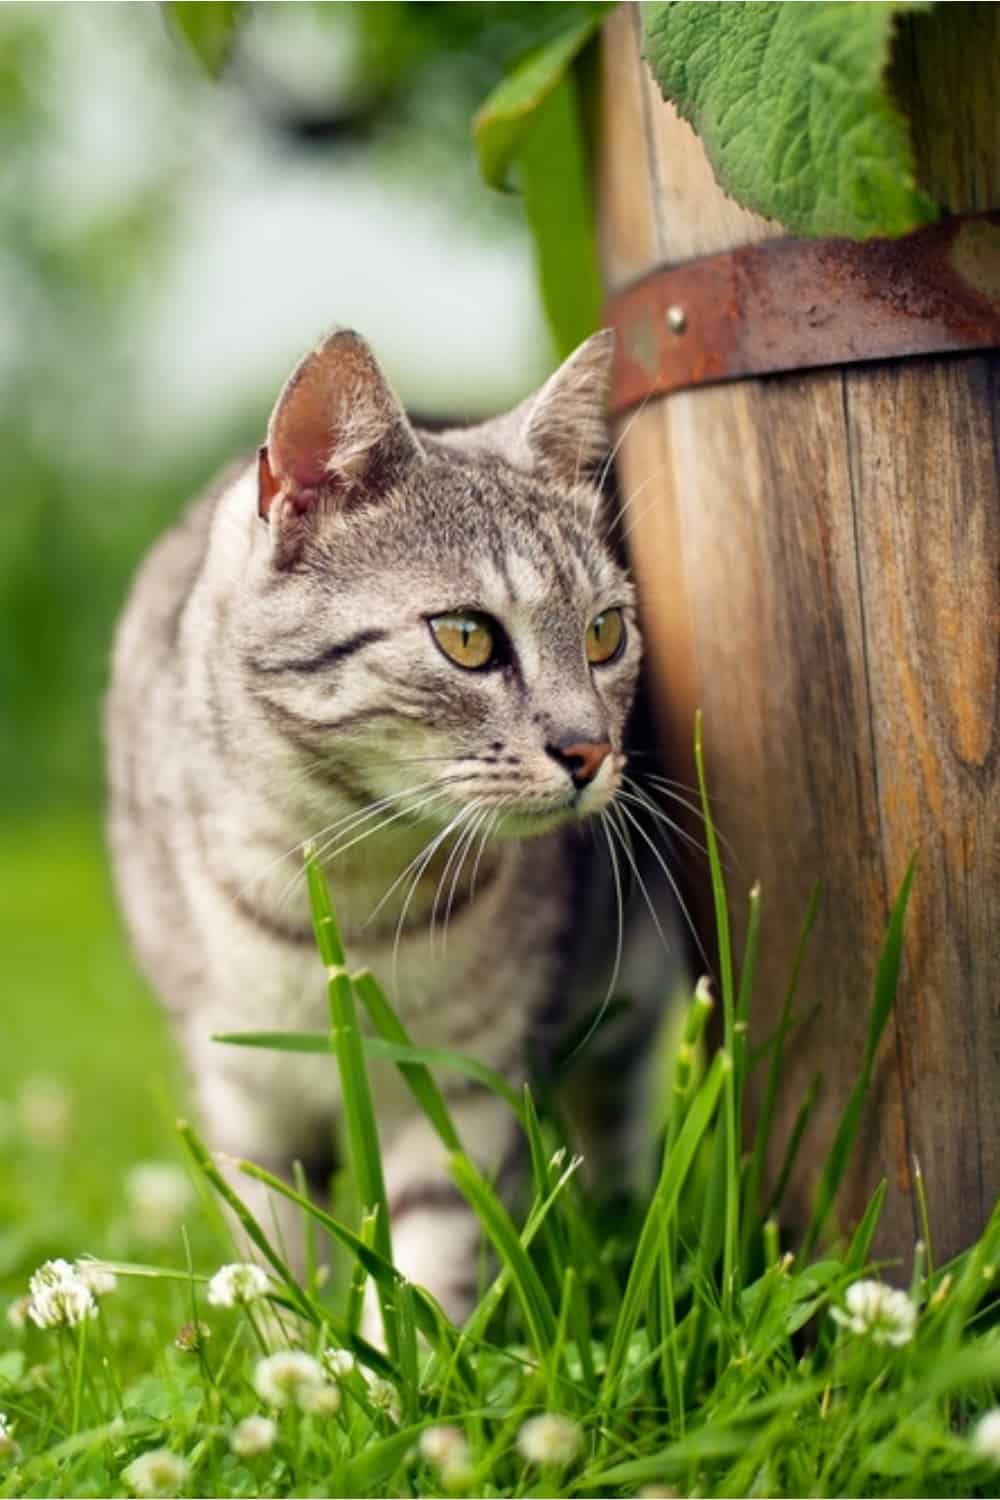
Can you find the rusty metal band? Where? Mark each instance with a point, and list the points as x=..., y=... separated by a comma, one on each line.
x=790, y=304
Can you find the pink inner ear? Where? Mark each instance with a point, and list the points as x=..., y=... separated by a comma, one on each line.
x=302, y=435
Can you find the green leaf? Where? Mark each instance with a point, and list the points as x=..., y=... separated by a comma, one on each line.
x=510, y=112
x=534, y=118
x=208, y=27
x=555, y=181
x=792, y=105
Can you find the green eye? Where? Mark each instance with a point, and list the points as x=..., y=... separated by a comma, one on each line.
x=605, y=637
x=467, y=640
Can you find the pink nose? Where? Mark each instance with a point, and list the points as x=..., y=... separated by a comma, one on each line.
x=582, y=759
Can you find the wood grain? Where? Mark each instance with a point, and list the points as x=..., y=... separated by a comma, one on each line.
x=818, y=557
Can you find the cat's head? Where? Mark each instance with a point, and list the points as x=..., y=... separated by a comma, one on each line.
x=440, y=619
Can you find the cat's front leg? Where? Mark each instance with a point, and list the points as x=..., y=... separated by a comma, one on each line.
x=245, y=1117
x=436, y=1237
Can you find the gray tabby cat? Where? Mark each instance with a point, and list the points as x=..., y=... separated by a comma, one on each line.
x=418, y=650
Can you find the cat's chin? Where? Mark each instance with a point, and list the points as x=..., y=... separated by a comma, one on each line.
x=528, y=822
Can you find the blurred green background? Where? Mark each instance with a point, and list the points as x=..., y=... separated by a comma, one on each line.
x=169, y=245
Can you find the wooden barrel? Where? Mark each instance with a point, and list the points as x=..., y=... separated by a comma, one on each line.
x=818, y=556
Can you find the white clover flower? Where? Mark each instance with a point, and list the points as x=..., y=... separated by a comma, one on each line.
x=550, y=1439
x=339, y=1363
x=879, y=1312
x=60, y=1298
x=17, y=1312
x=986, y=1436
x=438, y=1443
x=7, y=1445
x=96, y=1277
x=237, y=1285
x=447, y=1449
x=158, y=1472
x=384, y=1397
x=159, y=1194
x=320, y=1400
x=287, y=1377
x=44, y=1110
x=252, y=1436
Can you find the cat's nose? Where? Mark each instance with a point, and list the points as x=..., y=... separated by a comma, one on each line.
x=582, y=758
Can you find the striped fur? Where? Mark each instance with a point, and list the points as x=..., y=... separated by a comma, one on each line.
x=275, y=680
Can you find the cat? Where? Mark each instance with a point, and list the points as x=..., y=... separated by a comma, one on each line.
x=419, y=650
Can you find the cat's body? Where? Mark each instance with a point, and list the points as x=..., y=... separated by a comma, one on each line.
x=279, y=671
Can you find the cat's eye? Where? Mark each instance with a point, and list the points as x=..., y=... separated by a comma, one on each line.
x=468, y=640
x=605, y=637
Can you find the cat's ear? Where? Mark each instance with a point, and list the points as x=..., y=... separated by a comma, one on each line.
x=565, y=428
x=337, y=433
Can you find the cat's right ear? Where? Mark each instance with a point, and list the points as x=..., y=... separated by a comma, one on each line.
x=337, y=436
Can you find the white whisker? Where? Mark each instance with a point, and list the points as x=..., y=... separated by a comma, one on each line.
x=468, y=841
x=674, y=828
x=625, y=837
x=436, y=843
x=671, y=880
x=454, y=857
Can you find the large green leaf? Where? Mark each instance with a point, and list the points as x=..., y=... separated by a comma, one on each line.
x=533, y=120
x=511, y=111
x=792, y=105
x=555, y=181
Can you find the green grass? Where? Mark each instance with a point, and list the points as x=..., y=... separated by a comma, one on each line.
x=76, y=1018
x=685, y=1345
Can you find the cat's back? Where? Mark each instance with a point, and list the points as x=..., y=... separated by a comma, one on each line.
x=146, y=710
x=148, y=629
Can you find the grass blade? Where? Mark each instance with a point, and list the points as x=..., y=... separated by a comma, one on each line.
x=794, y=1145
x=752, y=1206
x=277, y=1041
x=375, y=1265
x=416, y=1075
x=861, y=1241
x=412, y=1061
x=886, y=981
x=325, y=929
x=355, y=1090
x=731, y=1263
x=443, y=1057
x=495, y=1292
x=659, y=1216
x=500, y=1229
x=251, y=1228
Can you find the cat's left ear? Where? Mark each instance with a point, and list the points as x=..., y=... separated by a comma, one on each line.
x=566, y=424
x=337, y=436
